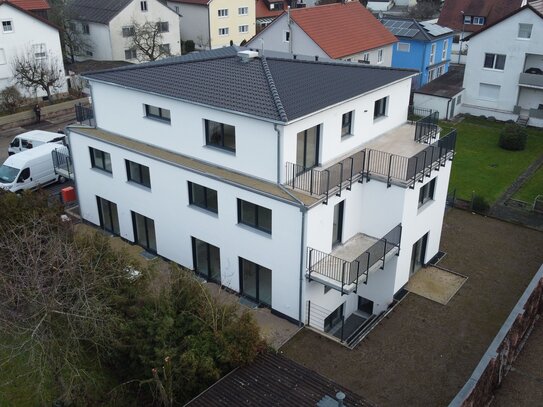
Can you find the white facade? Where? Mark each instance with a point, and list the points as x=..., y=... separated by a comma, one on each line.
x=503, y=89
x=448, y=107
x=24, y=34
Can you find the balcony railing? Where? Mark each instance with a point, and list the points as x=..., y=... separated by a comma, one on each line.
x=414, y=114
x=530, y=79
x=426, y=129
x=347, y=274
x=372, y=164
x=83, y=114
x=62, y=162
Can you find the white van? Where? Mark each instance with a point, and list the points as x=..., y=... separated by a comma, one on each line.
x=34, y=138
x=30, y=169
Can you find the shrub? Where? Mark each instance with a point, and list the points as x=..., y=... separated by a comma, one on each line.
x=189, y=46
x=479, y=204
x=513, y=137
x=10, y=99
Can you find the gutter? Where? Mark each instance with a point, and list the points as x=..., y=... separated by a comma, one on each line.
x=278, y=154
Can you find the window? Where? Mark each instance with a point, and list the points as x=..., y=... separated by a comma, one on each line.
x=379, y=56
x=159, y=113
x=7, y=26
x=255, y=281
x=85, y=29
x=366, y=57
x=3, y=60
x=286, y=36
x=404, y=47
x=203, y=197
x=243, y=11
x=255, y=216
x=478, y=20
x=380, y=108
x=223, y=12
x=100, y=160
x=128, y=31
x=433, y=54
x=88, y=53
x=164, y=49
x=207, y=260
x=143, y=5
x=445, y=49
x=223, y=31
x=243, y=28
x=163, y=26
x=488, y=91
x=440, y=70
x=426, y=192
x=459, y=99
x=525, y=31
x=39, y=51
x=144, y=231
x=346, y=123
x=467, y=19
x=130, y=53
x=107, y=213
x=431, y=75
x=138, y=173
x=494, y=61
x=220, y=135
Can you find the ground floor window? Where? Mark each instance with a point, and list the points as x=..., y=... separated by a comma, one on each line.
x=109, y=218
x=207, y=260
x=255, y=281
x=144, y=231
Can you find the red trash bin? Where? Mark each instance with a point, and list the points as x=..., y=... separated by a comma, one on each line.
x=68, y=194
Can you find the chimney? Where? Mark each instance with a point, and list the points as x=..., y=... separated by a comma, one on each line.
x=247, y=55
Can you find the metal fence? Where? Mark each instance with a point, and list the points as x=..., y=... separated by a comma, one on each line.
x=62, y=162
x=83, y=113
x=426, y=129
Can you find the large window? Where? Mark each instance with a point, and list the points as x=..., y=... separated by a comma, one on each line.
x=203, y=197
x=347, y=123
x=207, y=260
x=494, y=61
x=163, y=26
x=100, y=159
x=380, y=108
x=525, y=31
x=158, y=113
x=109, y=218
x=427, y=192
x=255, y=216
x=220, y=135
x=144, y=231
x=433, y=54
x=39, y=51
x=138, y=173
x=444, y=50
x=255, y=281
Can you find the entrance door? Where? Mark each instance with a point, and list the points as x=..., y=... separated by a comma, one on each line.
x=418, y=254
x=337, y=228
x=307, y=148
x=255, y=282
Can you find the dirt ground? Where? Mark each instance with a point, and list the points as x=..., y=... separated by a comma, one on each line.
x=423, y=352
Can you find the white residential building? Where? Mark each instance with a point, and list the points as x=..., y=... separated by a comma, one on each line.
x=106, y=27
x=24, y=34
x=311, y=197
x=504, y=78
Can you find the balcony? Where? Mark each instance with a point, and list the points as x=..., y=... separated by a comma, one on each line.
x=350, y=264
x=531, y=80
x=400, y=157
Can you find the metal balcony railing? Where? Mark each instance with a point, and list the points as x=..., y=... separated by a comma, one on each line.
x=416, y=113
x=62, y=162
x=348, y=273
x=426, y=129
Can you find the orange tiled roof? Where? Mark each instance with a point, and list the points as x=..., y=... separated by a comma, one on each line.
x=342, y=29
x=262, y=10
x=31, y=4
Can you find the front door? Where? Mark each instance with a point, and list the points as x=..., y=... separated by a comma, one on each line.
x=255, y=282
x=337, y=227
x=307, y=148
x=418, y=254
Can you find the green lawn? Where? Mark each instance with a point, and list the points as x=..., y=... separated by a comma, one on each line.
x=480, y=165
x=532, y=188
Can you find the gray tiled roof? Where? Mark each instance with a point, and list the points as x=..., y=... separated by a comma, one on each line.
x=97, y=11
x=271, y=88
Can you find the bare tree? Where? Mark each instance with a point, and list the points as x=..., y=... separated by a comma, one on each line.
x=38, y=70
x=147, y=40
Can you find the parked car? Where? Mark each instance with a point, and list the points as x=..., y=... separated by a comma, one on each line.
x=34, y=138
x=30, y=169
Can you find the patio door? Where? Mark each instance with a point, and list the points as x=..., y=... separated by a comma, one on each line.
x=255, y=282
x=307, y=148
x=337, y=227
x=207, y=260
x=107, y=213
x=418, y=254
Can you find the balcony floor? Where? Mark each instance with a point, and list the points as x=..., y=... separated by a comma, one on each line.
x=399, y=141
x=354, y=247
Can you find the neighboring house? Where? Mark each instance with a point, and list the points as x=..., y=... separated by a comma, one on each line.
x=22, y=34
x=216, y=23
x=345, y=31
x=504, y=69
x=37, y=7
x=106, y=26
x=267, y=11
x=387, y=5
x=79, y=84
x=423, y=46
x=304, y=189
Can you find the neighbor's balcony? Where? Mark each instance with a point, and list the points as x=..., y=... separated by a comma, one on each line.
x=401, y=157
x=62, y=162
x=351, y=263
x=531, y=80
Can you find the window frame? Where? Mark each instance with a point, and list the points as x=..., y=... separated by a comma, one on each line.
x=133, y=53
x=85, y=28
x=444, y=49
x=495, y=59
x=164, y=48
x=147, y=221
x=103, y=167
x=478, y=20
x=225, y=31
x=161, y=117
x=257, y=216
x=221, y=144
x=427, y=192
x=380, y=55
x=12, y=29
x=347, y=125
x=42, y=51
x=246, y=26
x=206, y=194
x=467, y=19
x=433, y=49
x=107, y=205
x=380, y=108
x=286, y=35
x=140, y=179
x=160, y=26
x=405, y=45
x=243, y=11
x=222, y=12
x=143, y=6
x=520, y=30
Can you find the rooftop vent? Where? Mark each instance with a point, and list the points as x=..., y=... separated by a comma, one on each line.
x=247, y=55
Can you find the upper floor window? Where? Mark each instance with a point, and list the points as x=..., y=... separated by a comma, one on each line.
x=7, y=26
x=128, y=31
x=255, y=216
x=100, y=159
x=243, y=28
x=130, y=53
x=220, y=135
x=467, y=19
x=243, y=11
x=143, y=5
x=39, y=51
x=203, y=197
x=380, y=56
x=347, y=123
x=494, y=61
x=223, y=12
x=224, y=31
x=380, y=108
x=157, y=113
x=433, y=54
x=426, y=192
x=286, y=36
x=163, y=26
x=85, y=29
x=444, y=51
x=138, y=173
x=525, y=31
x=478, y=20
x=403, y=46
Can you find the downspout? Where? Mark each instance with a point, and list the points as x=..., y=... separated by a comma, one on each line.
x=208, y=27
x=302, y=252
x=278, y=153
x=448, y=104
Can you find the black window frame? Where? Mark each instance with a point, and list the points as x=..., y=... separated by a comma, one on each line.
x=257, y=270
x=207, y=193
x=347, y=125
x=105, y=204
x=147, y=221
x=143, y=5
x=495, y=59
x=161, y=116
x=139, y=177
x=219, y=144
x=427, y=192
x=96, y=165
x=209, y=247
x=380, y=108
x=258, y=215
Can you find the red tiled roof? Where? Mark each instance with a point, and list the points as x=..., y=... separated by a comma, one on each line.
x=262, y=10
x=31, y=4
x=492, y=10
x=31, y=14
x=342, y=29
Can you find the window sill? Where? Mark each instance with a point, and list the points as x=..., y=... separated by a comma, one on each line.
x=101, y=171
x=158, y=119
x=492, y=69
x=204, y=210
x=140, y=186
x=347, y=136
x=424, y=205
x=220, y=149
x=523, y=39
x=379, y=118
x=254, y=230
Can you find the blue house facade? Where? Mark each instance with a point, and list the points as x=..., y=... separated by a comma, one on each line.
x=423, y=46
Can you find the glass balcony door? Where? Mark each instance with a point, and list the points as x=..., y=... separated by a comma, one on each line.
x=307, y=148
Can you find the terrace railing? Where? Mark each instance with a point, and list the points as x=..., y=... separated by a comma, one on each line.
x=84, y=113
x=426, y=129
x=62, y=162
x=346, y=272
x=416, y=113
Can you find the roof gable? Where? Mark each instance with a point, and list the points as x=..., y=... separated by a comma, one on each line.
x=43, y=20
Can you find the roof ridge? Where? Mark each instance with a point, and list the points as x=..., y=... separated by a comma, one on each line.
x=273, y=90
